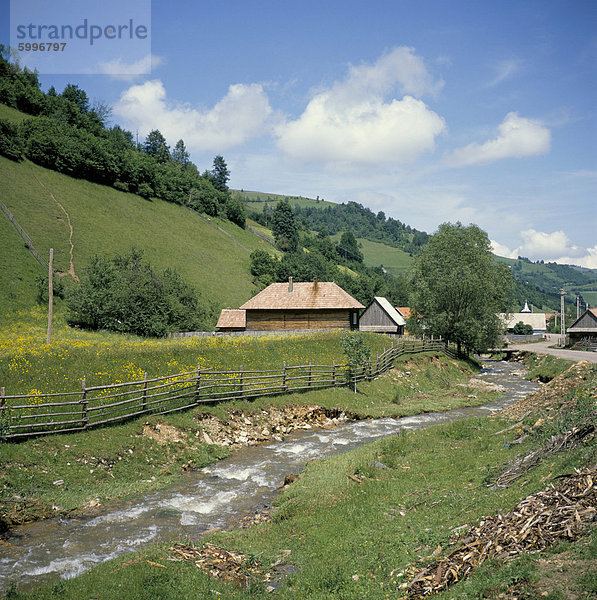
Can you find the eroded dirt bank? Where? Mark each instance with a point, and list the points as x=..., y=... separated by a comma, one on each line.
x=240, y=428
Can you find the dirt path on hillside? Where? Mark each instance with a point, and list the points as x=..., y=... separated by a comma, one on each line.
x=71, y=266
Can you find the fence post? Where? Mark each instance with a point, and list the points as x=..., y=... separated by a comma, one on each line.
x=144, y=408
x=198, y=385
x=334, y=372
x=241, y=382
x=4, y=426
x=309, y=373
x=84, y=418
x=284, y=388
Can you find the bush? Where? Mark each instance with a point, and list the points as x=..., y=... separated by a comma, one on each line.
x=235, y=211
x=355, y=348
x=119, y=185
x=522, y=329
x=125, y=294
x=11, y=145
x=145, y=191
x=42, y=287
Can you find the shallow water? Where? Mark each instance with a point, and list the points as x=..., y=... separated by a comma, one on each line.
x=216, y=496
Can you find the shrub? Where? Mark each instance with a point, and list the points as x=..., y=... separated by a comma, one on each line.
x=11, y=145
x=522, y=329
x=355, y=348
x=125, y=294
x=119, y=185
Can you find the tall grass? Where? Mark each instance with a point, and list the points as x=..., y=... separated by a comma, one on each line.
x=27, y=363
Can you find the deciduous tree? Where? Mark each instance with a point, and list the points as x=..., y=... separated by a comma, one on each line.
x=458, y=288
x=156, y=146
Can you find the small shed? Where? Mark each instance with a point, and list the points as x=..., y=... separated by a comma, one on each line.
x=381, y=317
x=304, y=305
x=584, y=328
x=232, y=320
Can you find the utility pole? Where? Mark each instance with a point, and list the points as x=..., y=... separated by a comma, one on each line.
x=577, y=307
x=50, y=295
x=562, y=320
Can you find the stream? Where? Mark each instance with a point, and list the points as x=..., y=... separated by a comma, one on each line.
x=216, y=496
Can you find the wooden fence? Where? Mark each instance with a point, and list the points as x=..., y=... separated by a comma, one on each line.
x=24, y=416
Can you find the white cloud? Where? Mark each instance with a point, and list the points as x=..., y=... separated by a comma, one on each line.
x=589, y=260
x=504, y=70
x=501, y=250
x=517, y=137
x=548, y=246
x=400, y=67
x=353, y=122
x=242, y=114
x=121, y=69
x=553, y=247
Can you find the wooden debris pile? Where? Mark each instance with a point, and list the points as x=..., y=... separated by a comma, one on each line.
x=551, y=395
x=540, y=520
x=566, y=440
x=220, y=563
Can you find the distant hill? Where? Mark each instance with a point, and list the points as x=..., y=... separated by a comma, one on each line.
x=545, y=280
x=318, y=214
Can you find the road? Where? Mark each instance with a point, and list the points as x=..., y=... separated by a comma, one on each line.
x=544, y=348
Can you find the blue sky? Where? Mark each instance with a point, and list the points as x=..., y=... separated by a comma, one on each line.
x=432, y=111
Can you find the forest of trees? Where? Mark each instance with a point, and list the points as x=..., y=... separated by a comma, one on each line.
x=306, y=256
x=363, y=223
x=72, y=136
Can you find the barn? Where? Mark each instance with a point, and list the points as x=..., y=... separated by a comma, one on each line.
x=381, y=317
x=305, y=305
x=584, y=328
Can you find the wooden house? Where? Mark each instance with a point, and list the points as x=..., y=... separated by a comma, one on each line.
x=584, y=328
x=381, y=317
x=292, y=306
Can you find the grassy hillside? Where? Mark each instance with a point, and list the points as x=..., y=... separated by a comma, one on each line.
x=256, y=200
x=376, y=254
x=18, y=270
x=550, y=278
x=212, y=255
x=12, y=114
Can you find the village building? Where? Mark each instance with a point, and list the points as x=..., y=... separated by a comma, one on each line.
x=584, y=328
x=381, y=317
x=295, y=306
x=536, y=320
x=404, y=311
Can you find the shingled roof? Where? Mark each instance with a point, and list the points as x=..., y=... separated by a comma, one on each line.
x=232, y=318
x=312, y=295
